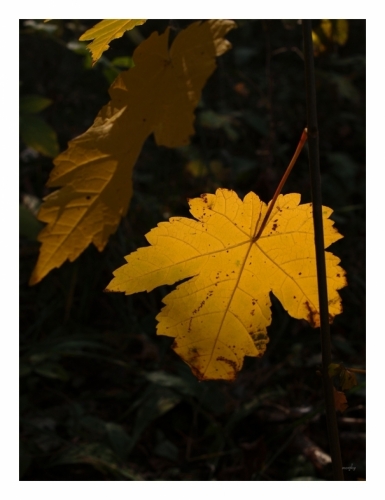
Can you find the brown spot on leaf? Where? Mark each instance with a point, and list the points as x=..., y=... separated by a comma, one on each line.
x=313, y=315
x=229, y=362
x=197, y=372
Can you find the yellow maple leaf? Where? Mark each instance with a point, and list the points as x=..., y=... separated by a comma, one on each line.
x=104, y=32
x=159, y=96
x=221, y=314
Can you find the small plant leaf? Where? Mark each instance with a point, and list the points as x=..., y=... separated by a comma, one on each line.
x=348, y=379
x=334, y=369
x=340, y=401
x=31, y=104
x=104, y=32
x=37, y=134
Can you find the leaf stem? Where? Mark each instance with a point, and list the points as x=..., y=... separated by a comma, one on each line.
x=357, y=370
x=315, y=178
x=282, y=183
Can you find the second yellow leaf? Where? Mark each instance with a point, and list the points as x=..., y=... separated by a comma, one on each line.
x=94, y=174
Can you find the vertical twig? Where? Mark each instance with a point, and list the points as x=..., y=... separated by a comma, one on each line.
x=315, y=178
x=269, y=93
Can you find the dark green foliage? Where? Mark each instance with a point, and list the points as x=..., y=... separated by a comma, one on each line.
x=101, y=396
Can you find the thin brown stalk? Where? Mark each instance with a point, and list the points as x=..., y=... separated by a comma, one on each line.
x=282, y=183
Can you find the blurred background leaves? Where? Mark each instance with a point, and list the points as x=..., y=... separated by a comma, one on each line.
x=103, y=398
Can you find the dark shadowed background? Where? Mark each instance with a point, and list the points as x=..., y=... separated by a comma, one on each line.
x=101, y=396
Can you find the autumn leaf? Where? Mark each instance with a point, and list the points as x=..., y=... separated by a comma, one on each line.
x=159, y=96
x=347, y=377
x=329, y=33
x=340, y=401
x=334, y=369
x=222, y=312
x=104, y=32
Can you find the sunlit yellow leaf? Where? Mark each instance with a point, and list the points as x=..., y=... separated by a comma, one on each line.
x=341, y=31
x=328, y=33
x=104, y=32
x=222, y=313
x=159, y=96
x=335, y=30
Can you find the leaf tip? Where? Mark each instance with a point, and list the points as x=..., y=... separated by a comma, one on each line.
x=38, y=273
x=33, y=280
